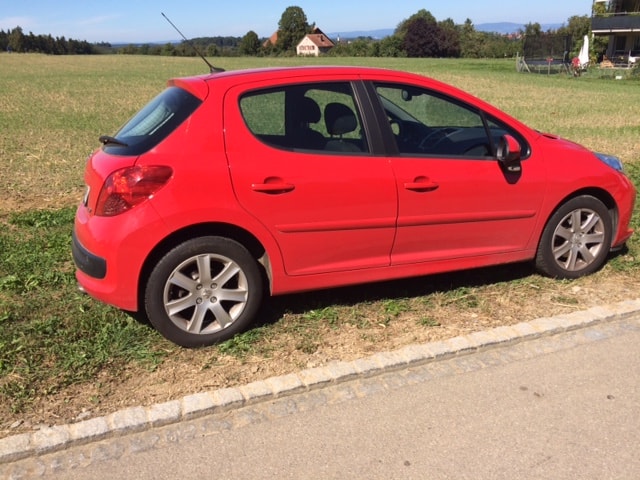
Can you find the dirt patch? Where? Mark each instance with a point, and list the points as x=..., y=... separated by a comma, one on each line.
x=17, y=203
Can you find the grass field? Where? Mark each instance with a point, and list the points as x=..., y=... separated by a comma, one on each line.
x=60, y=350
x=50, y=122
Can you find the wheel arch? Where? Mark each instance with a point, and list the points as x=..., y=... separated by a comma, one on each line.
x=233, y=232
x=579, y=252
x=605, y=197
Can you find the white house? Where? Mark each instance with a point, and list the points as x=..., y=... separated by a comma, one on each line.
x=313, y=44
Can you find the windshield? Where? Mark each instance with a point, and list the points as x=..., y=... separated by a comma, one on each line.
x=153, y=123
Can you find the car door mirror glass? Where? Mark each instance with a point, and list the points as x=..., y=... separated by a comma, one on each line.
x=509, y=153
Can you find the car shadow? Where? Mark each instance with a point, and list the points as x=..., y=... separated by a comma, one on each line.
x=275, y=307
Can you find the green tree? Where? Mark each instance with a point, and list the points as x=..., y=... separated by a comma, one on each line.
x=130, y=49
x=424, y=39
x=212, y=50
x=292, y=28
x=360, y=48
x=599, y=8
x=341, y=49
x=169, y=50
x=185, y=49
x=267, y=48
x=469, y=40
x=401, y=29
x=577, y=27
x=61, y=46
x=450, y=39
x=392, y=46
x=250, y=44
x=4, y=40
x=532, y=29
x=423, y=36
x=420, y=38
x=16, y=40
x=49, y=44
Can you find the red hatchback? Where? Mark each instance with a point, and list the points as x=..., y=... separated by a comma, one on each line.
x=233, y=185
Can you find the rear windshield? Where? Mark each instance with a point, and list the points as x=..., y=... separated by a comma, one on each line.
x=154, y=122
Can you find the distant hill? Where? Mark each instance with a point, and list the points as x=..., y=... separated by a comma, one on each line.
x=509, y=27
x=139, y=44
x=380, y=33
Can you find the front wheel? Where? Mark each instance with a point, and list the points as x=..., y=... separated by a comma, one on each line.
x=576, y=239
x=203, y=291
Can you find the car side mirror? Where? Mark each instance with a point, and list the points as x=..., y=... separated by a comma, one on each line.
x=509, y=154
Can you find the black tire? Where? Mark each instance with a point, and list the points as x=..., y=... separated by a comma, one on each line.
x=203, y=291
x=576, y=240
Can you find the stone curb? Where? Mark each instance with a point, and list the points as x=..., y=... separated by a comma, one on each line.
x=135, y=419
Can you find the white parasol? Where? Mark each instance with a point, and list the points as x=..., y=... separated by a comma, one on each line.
x=583, y=56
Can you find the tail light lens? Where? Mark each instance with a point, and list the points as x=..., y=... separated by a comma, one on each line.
x=128, y=187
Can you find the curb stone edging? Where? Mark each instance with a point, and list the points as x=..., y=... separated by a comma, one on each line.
x=135, y=419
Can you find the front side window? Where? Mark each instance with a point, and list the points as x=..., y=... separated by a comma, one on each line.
x=427, y=123
x=306, y=117
x=154, y=122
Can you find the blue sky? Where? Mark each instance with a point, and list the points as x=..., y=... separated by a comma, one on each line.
x=140, y=20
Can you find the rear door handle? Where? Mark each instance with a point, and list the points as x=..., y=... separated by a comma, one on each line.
x=273, y=186
x=421, y=184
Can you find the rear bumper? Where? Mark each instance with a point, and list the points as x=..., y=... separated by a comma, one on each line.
x=109, y=253
x=87, y=262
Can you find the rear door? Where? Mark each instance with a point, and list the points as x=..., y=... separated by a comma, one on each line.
x=300, y=163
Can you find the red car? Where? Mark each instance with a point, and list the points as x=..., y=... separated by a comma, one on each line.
x=233, y=185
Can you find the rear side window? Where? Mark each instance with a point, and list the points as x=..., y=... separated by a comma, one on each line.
x=306, y=117
x=264, y=113
x=154, y=122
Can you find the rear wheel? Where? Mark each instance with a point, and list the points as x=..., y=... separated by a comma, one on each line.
x=203, y=291
x=576, y=240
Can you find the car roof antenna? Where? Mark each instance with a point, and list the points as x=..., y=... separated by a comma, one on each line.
x=211, y=67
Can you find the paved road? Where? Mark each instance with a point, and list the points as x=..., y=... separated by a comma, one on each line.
x=560, y=407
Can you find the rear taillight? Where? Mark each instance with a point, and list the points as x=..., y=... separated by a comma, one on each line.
x=128, y=187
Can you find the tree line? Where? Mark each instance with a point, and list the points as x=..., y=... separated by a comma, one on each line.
x=16, y=41
x=420, y=35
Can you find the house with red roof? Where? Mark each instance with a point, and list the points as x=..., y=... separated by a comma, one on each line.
x=314, y=44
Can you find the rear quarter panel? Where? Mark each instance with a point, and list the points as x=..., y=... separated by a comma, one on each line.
x=200, y=191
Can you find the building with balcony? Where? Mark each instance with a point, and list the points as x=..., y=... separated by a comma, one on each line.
x=620, y=21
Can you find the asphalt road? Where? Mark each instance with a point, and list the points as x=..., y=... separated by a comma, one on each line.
x=560, y=407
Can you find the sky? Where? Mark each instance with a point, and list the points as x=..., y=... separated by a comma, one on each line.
x=140, y=21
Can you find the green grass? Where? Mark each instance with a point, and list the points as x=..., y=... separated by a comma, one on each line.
x=52, y=337
x=241, y=344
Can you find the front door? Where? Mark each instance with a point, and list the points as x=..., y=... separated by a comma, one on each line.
x=455, y=201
